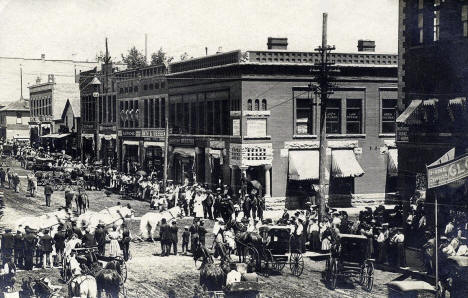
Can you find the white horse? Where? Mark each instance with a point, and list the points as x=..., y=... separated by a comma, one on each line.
x=109, y=216
x=83, y=286
x=151, y=220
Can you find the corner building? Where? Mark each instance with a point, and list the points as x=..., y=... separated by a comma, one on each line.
x=252, y=114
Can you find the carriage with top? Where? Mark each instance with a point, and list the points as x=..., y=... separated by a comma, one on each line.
x=92, y=262
x=277, y=249
x=348, y=259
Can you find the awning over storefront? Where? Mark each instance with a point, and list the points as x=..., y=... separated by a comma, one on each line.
x=131, y=143
x=56, y=136
x=409, y=116
x=184, y=152
x=344, y=164
x=108, y=137
x=392, y=165
x=154, y=144
x=457, y=102
x=87, y=136
x=303, y=165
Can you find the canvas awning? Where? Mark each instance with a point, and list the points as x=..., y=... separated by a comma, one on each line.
x=303, y=165
x=87, y=136
x=131, y=143
x=56, y=135
x=184, y=151
x=344, y=164
x=457, y=102
x=392, y=164
x=154, y=144
x=108, y=137
x=409, y=116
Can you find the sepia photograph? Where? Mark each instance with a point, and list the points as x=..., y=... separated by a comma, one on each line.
x=238, y=149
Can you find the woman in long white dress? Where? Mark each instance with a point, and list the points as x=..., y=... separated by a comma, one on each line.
x=113, y=247
x=198, y=204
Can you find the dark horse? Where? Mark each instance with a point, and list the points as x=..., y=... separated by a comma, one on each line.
x=212, y=276
x=109, y=280
x=82, y=202
x=244, y=239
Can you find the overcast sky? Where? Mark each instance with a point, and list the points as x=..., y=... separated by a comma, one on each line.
x=61, y=28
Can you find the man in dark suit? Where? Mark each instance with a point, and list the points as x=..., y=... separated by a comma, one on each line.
x=8, y=243
x=174, y=237
x=88, y=239
x=46, y=243
x=48, y=193
x=30, y=242
x=59, y=239
x=19, y=249
x=202, y=232
x=100, y=237
x=165, y=237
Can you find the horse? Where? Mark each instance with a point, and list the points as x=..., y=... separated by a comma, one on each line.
x=243, y=238
x=108, y=280
x=150, y=221
x=83, y=286
x=82, y=202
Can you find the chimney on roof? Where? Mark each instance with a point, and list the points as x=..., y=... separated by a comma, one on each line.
x=38, y=80
x=277, y=43
x=220, y=50
x=366, y=45
x=50, y=78
x=43, y=57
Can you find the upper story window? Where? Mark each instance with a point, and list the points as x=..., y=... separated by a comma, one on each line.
x=388, y=115
x=257, y=105
x=264, y=104
x=436, y=19
x=333, y=116
x=135, y=88
x=151, y=86
x=249, y=105
x=354, y=116
x=421, y=21
x=145, y=87
x=464, y=19
x=303, y=117
x=19, y=119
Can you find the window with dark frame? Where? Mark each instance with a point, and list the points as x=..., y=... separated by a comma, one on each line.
x=304, y=117
x=146, y=113
x=264, y=104
x=420, y=21
x=436, y=19
x=333, y=116
x=464, y=19
x=388, y=115
x=163, y=112
x=249, y=105
x=354, y=116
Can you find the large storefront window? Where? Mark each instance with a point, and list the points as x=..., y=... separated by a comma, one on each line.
x=334, y=116
x=353, y=116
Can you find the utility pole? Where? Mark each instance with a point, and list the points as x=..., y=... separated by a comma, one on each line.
x=323, y=72
x=21, y=81
x=166, y=150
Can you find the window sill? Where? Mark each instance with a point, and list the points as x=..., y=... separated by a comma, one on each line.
x=304, y=136
x=257, y=138
x=386, y=135
x=344, y=136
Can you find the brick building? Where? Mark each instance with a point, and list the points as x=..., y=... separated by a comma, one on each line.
x=433, y=86
x=250, y=114
x=98, y=106
x=47, y=103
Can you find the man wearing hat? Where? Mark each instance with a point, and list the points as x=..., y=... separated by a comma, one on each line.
x=100, y=237
x=208, y=204
x=88, y=239
x=399, y=240
x=48, y=193
x=246, y=206
x=382, y=241
x=185, y=240
x=59, y=240
x=30, y=242
x=46, y=242
x=19, y=249
x=174, y=237
x=8, y=243
x=217, y=203
x=125, y=243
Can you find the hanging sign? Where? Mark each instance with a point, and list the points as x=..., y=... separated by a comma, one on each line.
x=438, y=175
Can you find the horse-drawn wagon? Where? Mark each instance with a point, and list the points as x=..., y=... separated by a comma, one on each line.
x=276, y=250
x=345, y=262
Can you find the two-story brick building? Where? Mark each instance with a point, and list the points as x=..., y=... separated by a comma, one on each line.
x=252, y=113
x=142, y=104
x=14, y=118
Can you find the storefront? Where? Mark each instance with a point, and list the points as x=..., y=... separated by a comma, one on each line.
x=183, y=164
x=154, y=157
x=107, y=149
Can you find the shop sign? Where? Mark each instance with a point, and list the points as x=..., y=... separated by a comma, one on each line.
x=107, y=129
x=389, y=115
x=129, y=133
x=250, y=154
x=153, y=133
x=333, y=115
x=402, y=133
x=449, y=172
x=88, y=126
x=236, y=127
x=217, y=144
x=256, y=127
x=182, y=141
x=235, y=154
x=353, y=115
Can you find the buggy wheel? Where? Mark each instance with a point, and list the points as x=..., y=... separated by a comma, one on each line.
x=252, y=258
x=362, y=274
x=326, y=273
x=123, y=270
x=333, y=274
x=369, y=276
x=123, y=291
x=296, y=263
x=268, y=261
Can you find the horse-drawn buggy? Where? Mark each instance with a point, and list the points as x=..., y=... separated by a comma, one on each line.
x=110, y=272
x=454, y=276
x=43, y=164
x=347, y=259
x=276, y=249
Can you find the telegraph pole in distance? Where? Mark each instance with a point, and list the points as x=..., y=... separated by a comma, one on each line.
x=166, y=149
x=324, y=87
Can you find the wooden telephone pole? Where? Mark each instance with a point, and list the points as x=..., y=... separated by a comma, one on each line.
x=323, y=71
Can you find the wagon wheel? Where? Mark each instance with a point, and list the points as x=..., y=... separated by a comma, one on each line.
x=123, y=291
x=123, y=270
x=363, y=274
x=333, y=274
x=269, y=261
x=296, y=263
x=252, y=258
x=370, y=276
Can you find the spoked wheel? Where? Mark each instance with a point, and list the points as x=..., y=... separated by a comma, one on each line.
x=269, y=262
x=333, y=274
x=251, y=258
x=296, y=263
x=123, y=291
x=326, y=273
x=370, y=276
x=278, y=265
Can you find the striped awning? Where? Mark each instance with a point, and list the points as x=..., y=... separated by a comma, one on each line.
x=303, y=165
x=131, y=143
x=410, y=114
x=344, y=164
x=392, y=162
x=457, y=102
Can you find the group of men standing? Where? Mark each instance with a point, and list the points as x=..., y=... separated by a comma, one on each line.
x=10, y=177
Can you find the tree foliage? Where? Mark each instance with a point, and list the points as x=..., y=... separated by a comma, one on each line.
x=134, y=58
x=184, y=56
x=160, y=57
